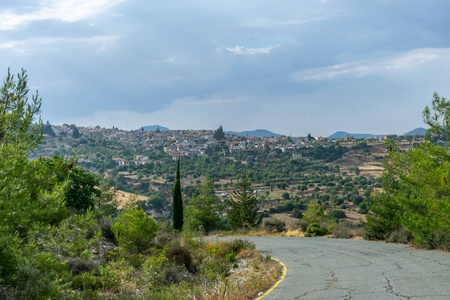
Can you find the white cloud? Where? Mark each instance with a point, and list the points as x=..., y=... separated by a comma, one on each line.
x=251, y=51
x=414, y=59
x=100, y=43
x=62, y=10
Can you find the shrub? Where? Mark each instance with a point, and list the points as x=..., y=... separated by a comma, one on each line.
x=134, y=230
x=78, y=265
x=154, y=269
x=335, y=214
x=341, y=230
x=297, y=213
x=274, y=223
x=236, y=246
x=314, y=213
x=303, y=225
x=180, y=256
x=105, y=225
x=314, y=229
x=400, y=235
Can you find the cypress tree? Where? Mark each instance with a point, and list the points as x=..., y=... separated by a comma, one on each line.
x=177, y=205
x=75, y=133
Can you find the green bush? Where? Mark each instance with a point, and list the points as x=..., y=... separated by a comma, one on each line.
x=415, y=197
x=297, y=213
x=314, y=229
x=335, y=214
x=134, y=230
x=303, y=225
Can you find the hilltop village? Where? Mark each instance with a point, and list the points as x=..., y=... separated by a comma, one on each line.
x=182, y=143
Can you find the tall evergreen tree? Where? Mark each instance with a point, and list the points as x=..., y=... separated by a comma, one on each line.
x=47, y=129
x=177, y=205
x=75, y=133
x=244, y=206
x=219, y=134
x=203, y=210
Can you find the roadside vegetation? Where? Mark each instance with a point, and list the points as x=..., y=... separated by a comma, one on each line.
x=63, y=234
x=63, y=237
x=414, y=206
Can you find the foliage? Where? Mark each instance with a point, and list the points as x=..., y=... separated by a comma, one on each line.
x=28, y=194
x=48, y=253
x=75, y=133
x=157, y=201
x=104, y=201
x=342, y=230
x=47, y=129
x=219, y=134
x=334, y=214
x=243, y=206
x=202, y=214
x=416, y=195
x=177, y=206
x=415, y=203
x=314, y=213
x=439, y=117
x=315, y=229
x=274, y=224
x=17, y=113
x=135, y=231
x=81, y=188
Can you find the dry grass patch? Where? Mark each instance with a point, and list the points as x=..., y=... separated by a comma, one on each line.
x=125, y=197
x=353, y=217
x=294, y=233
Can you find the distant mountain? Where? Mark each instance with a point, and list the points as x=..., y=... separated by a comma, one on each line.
x=257, y=133
x=154, y=127
x=343, y=134
x=419, y=131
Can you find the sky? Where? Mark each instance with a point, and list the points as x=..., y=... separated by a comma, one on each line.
x=290, y=66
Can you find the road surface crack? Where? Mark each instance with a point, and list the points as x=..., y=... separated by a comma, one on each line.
x=390, y=287
x=330, y=285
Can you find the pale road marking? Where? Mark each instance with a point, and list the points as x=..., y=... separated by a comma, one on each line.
x=278, y=282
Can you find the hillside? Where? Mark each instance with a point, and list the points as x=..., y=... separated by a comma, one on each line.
x=343, y=134
x=155, y=127
x=419, y=131
x=257, y=133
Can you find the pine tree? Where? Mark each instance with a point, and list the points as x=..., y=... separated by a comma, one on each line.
x=177, y=205
x=47, y=129
x=203, y=210
x=244, y=206
x=219, y=134
x=75, y=133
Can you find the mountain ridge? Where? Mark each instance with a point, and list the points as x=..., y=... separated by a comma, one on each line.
x=343, y=134
x=256, y=132
x=154, y=127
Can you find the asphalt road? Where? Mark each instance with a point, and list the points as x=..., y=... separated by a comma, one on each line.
x=325, y=268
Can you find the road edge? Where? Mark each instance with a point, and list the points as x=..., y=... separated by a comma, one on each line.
x=279, y=280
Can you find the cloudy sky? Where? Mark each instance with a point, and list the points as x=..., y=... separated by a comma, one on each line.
x=291, y=66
